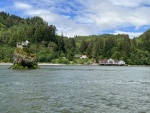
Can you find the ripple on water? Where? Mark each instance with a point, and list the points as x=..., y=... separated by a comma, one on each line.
x=71, y=89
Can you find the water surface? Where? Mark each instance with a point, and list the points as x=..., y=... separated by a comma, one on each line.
x=75, y=89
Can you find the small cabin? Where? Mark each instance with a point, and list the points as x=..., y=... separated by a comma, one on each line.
x=22, y=44
x=83, y=56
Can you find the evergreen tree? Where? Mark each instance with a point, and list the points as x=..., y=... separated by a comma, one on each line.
x=83, y=46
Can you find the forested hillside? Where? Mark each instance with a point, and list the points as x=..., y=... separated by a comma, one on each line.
x=50, y=47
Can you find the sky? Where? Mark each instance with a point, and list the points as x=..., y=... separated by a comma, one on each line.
x=86, y=17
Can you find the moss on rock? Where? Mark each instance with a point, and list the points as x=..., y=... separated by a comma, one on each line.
x=24, y=59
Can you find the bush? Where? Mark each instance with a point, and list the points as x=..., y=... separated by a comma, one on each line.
x=55, y=61
x=17, y=66
x=63, y=61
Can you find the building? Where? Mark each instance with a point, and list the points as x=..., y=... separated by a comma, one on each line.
x=111, y=62
x=83, y=56
x=22, y=44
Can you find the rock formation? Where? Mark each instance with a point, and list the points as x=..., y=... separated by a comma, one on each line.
x=23, y=58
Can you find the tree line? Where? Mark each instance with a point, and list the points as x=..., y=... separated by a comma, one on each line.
x=50, y=47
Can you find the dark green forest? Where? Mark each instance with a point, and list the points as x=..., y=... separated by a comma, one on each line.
x=53, y=48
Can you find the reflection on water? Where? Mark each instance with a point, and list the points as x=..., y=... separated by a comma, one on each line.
x=75, y=89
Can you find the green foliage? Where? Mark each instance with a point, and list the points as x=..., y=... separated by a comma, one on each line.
x=63, y=61
x=83, y=46
x=50, y=47
x=6, y=54
x=17, y=66
x=82, y=61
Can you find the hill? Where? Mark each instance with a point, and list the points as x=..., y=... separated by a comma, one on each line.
x=50, y=47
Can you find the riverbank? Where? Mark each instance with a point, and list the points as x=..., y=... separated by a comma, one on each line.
x=3, y=64
x=40, y=64
x=51, y=64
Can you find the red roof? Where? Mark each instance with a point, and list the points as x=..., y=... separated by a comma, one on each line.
x=103, y=61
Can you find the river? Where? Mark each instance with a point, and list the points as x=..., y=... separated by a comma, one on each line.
x=75, y=89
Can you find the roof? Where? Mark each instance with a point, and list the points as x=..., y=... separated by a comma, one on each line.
x=111, y=61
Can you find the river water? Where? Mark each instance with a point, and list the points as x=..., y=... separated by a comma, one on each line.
x=75, y=89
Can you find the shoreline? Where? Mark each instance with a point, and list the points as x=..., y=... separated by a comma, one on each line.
x=51, y=64
x=6, y=64
x=40, y=64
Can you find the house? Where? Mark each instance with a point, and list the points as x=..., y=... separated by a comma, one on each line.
x=121, y=62
x=22, y=44
x=111, y=62
x=103, y=61
x=83, y=56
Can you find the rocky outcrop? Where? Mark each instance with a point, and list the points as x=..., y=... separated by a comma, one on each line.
x=23, y=58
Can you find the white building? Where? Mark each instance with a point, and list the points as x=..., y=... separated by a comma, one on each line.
x=22, y=44
x=111, y=62
x=83, y=56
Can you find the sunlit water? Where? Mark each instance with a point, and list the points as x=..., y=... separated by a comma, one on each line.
x=75, y=89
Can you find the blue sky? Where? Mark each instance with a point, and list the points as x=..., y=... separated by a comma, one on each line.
x=86, y=17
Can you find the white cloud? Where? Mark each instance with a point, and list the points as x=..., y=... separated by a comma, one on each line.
x=130, y=3
x=107, y=15
x=24, y=6
x=78, y=17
